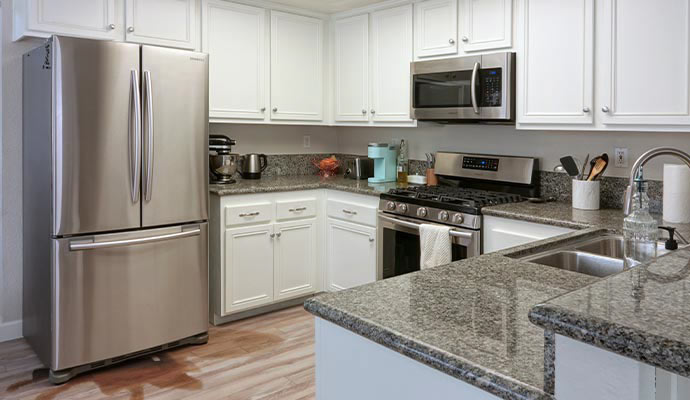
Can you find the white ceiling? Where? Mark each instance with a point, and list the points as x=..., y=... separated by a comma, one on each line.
x=327, y=6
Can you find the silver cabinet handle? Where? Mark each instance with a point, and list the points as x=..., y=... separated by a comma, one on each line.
x=275, y=109
x=473, y=89
x=350, y=212
x=373, y=111
x=364, y=112
x=273, y=235
x=111, y=26
x=135, y=134
x=451, y=41
x=78, y=246
x=263, y=109
x=371, y=239
x=130, y=29
x=250, y=214
x=278, y=234
x=605, y=109
x=298, y=209
x=149, y=135
x=585, y=110
x=465, y=39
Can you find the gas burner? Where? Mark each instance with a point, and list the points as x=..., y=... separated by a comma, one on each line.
x=455, y=196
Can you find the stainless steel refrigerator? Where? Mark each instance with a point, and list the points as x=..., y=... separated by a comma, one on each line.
x=115, y=201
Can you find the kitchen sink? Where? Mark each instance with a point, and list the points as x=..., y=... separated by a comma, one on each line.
x=578, y=261
x=611, y=246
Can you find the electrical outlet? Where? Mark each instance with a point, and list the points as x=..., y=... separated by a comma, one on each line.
x=307, y=141
x=621, y=157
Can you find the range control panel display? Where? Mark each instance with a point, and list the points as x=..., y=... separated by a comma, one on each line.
x=480, y=163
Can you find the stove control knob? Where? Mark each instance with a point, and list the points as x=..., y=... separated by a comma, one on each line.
x=421, y=212
x=402, y=208
x=443, y=216
x=391, y=206
x=458, y=219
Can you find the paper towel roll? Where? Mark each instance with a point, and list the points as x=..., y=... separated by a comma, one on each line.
x=676, y=193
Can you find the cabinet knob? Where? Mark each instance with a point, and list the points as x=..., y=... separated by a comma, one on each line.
x=371, y=239
x=364, y=112
x=111, y=26
x=130, y=29
x=605, y=109
x=278, y=234
x=585, y=110
x=451, y=41
x=275, y=109
x=263, y=109
x=465, y=39
x=273, y=235
x=373, y=111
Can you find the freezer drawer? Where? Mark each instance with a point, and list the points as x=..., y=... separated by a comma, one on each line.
x=120, y=293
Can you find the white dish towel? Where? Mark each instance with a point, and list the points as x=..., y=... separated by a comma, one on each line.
x=434, y=243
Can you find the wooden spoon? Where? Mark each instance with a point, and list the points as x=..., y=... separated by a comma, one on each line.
x=600, y=164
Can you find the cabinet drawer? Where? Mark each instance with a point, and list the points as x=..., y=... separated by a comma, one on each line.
x=352, y=212
x=248, y=214
x=293, y=209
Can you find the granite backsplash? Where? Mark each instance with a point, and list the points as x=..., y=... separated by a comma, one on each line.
x=553, y=184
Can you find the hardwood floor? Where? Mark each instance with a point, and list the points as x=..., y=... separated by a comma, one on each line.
x=265, y=357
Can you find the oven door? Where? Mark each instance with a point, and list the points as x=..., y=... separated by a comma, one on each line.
x=399, y=249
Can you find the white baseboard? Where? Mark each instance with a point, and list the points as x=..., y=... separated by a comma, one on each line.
x=10, y=330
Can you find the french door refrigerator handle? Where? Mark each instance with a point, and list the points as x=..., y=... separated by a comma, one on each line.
x=135, y=134
x=473, y=88
x=149, y=135
x=78, y=246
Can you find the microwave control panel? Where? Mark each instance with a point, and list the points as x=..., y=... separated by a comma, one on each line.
x=490, y=83
x=480, y=163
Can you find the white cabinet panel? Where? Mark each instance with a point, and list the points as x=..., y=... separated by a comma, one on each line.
x=295, y=259
x=351, y=256
x=487, y=24
x=248, y=269
x=352, y=69
x=555, y=69
x=502, y=233
x=391, y=53
x=96, y=19
x=646, y=65
x=436, y=28
x=296, y=67
x=170, y=23
x=234, y=35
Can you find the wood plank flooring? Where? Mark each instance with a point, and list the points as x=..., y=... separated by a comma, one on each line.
x=265, y=357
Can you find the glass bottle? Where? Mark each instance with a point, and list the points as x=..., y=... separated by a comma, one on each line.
x=403, y=164
x=640, y=229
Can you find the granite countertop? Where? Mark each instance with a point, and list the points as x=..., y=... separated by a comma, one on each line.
x=302, y=182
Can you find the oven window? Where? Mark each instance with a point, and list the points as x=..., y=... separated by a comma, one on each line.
x=443, y=90
x=401, y=253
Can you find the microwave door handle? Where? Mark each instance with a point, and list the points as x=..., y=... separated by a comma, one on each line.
x=475, y=72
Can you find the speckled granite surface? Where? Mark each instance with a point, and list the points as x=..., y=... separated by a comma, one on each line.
x=467, y=319
x=301, y=182
x=643, y=313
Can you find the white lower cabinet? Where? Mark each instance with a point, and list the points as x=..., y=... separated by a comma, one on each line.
x=501, y=233
x=351, y=254
x=248, y=267
x=294, y=259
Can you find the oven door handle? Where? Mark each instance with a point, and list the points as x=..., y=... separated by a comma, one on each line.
x=473, y=88
x=453, y=232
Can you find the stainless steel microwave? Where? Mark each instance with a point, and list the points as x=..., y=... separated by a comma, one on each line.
x=464, y=89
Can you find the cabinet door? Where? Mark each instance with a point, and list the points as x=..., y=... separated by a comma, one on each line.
x=248, y=268
x=391, y=54
x=234, y=37
x=96, y=19
x=295, y=259
x=501, y=233
x=487, y=24
x=352, y=69
x=351, y=255
x=171, y=23
x=645, y=61
x=296, y=67
x=555, y=71
x=436, y=28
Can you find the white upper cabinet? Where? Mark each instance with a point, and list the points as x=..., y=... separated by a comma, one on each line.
x=487, y=24
x=296, y=67
x=435, y=28
x=352, y=68
x=391, y=54
x=555, y=67
x=234, y=36
x=170, y=23
x=645, y=66
x=98, y=19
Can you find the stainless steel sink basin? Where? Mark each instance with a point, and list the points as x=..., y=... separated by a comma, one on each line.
x=611, y=246
x=578, y=261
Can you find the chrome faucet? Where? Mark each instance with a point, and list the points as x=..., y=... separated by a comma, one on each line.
x=644, y=158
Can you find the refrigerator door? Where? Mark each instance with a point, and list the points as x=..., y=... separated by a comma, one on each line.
x=120, y=293
x=95, y=127
x=175, y=136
